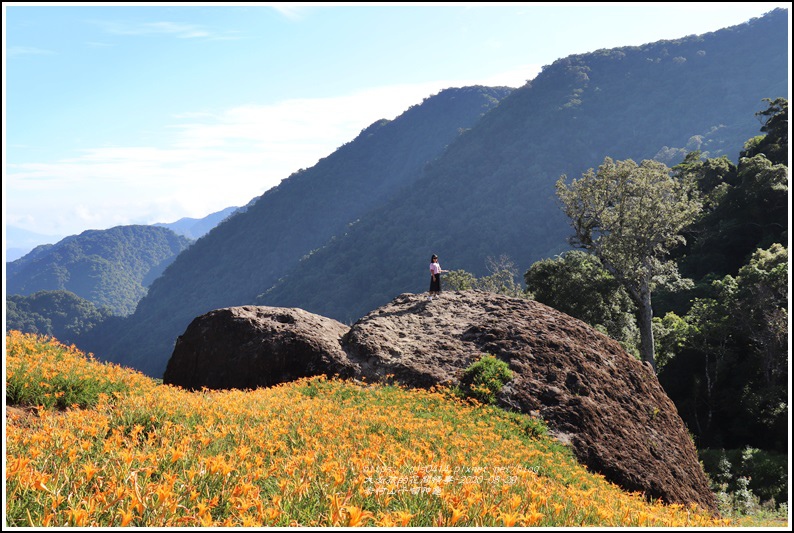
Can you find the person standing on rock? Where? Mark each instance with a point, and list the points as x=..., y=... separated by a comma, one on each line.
x=435, y=277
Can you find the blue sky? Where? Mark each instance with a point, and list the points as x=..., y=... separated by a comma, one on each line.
x=135, y=114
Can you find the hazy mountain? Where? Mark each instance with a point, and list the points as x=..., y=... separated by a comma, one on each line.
x=20, y=241
x=359, y=227
x=110, y=268
x=194, y=228
x=250, y=251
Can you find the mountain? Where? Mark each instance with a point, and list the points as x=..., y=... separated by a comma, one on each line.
x=195, y=228
x=492, y=193
x=110, y=268
x=60, y=314
x=359, y=227
x=19, y=242
x=250, y=251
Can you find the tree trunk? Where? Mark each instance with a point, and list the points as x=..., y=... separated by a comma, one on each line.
x=645, y=322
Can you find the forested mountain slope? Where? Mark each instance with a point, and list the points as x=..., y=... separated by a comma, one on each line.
x=251, y=251
x=492, y=193
x=110, y=268
x=60, y=314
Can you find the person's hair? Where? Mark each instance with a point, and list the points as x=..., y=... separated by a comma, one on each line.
x=434, y=257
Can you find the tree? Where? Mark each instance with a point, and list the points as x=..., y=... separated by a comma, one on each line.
x=774, y=124
x=578, y=285
x=729, y=375
x=502, y=279
x=630, y=216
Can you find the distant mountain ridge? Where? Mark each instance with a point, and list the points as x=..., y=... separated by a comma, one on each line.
x=195, y=228
x=110, y=268
x=19, y=241
x=358, y=228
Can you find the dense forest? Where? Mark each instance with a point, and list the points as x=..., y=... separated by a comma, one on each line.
x=111, y=268
x=60, y=314
x=722, y=337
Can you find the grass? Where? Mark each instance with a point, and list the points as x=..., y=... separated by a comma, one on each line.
x=316, y=452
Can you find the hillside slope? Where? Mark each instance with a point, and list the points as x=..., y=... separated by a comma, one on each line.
x=110, y=268
x=60, y=314
x=492, y=193
x=314, y=452
x=250, y=251
x=358, y=228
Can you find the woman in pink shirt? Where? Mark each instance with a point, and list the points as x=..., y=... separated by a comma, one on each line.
x=435, y=277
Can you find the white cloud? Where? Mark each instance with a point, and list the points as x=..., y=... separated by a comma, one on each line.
x=210, y=162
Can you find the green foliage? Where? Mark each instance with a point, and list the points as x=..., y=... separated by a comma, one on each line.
x=459, y=280
x=630, y=216
x=484, y=378
x=59, y=314
x=670, y=333
x=774, y=144
x=746, y=478
x=501, y=280
x=61, y=392
x=729, y=376
x=746, y=206
x=577, y=284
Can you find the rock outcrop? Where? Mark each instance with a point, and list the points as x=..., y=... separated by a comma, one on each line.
x=249, y=347
x=592, y=394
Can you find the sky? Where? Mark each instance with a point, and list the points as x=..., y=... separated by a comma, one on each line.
x=139, y=113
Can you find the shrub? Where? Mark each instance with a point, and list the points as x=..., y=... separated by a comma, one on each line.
x=738, y=472
x=484, y=379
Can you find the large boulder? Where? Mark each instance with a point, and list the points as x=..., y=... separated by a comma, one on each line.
x=249, y=346
x=608, y=405
x=593, y=395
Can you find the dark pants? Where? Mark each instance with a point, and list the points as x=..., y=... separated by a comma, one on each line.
x=435, y=283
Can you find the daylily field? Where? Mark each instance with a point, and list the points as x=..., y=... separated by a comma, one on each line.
x=94, y=444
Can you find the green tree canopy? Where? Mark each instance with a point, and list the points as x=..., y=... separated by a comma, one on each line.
x=774, y=144
x=501, y=280
x=729, y=376
x=631, y=216
x=60, y=314
x=577, y=284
